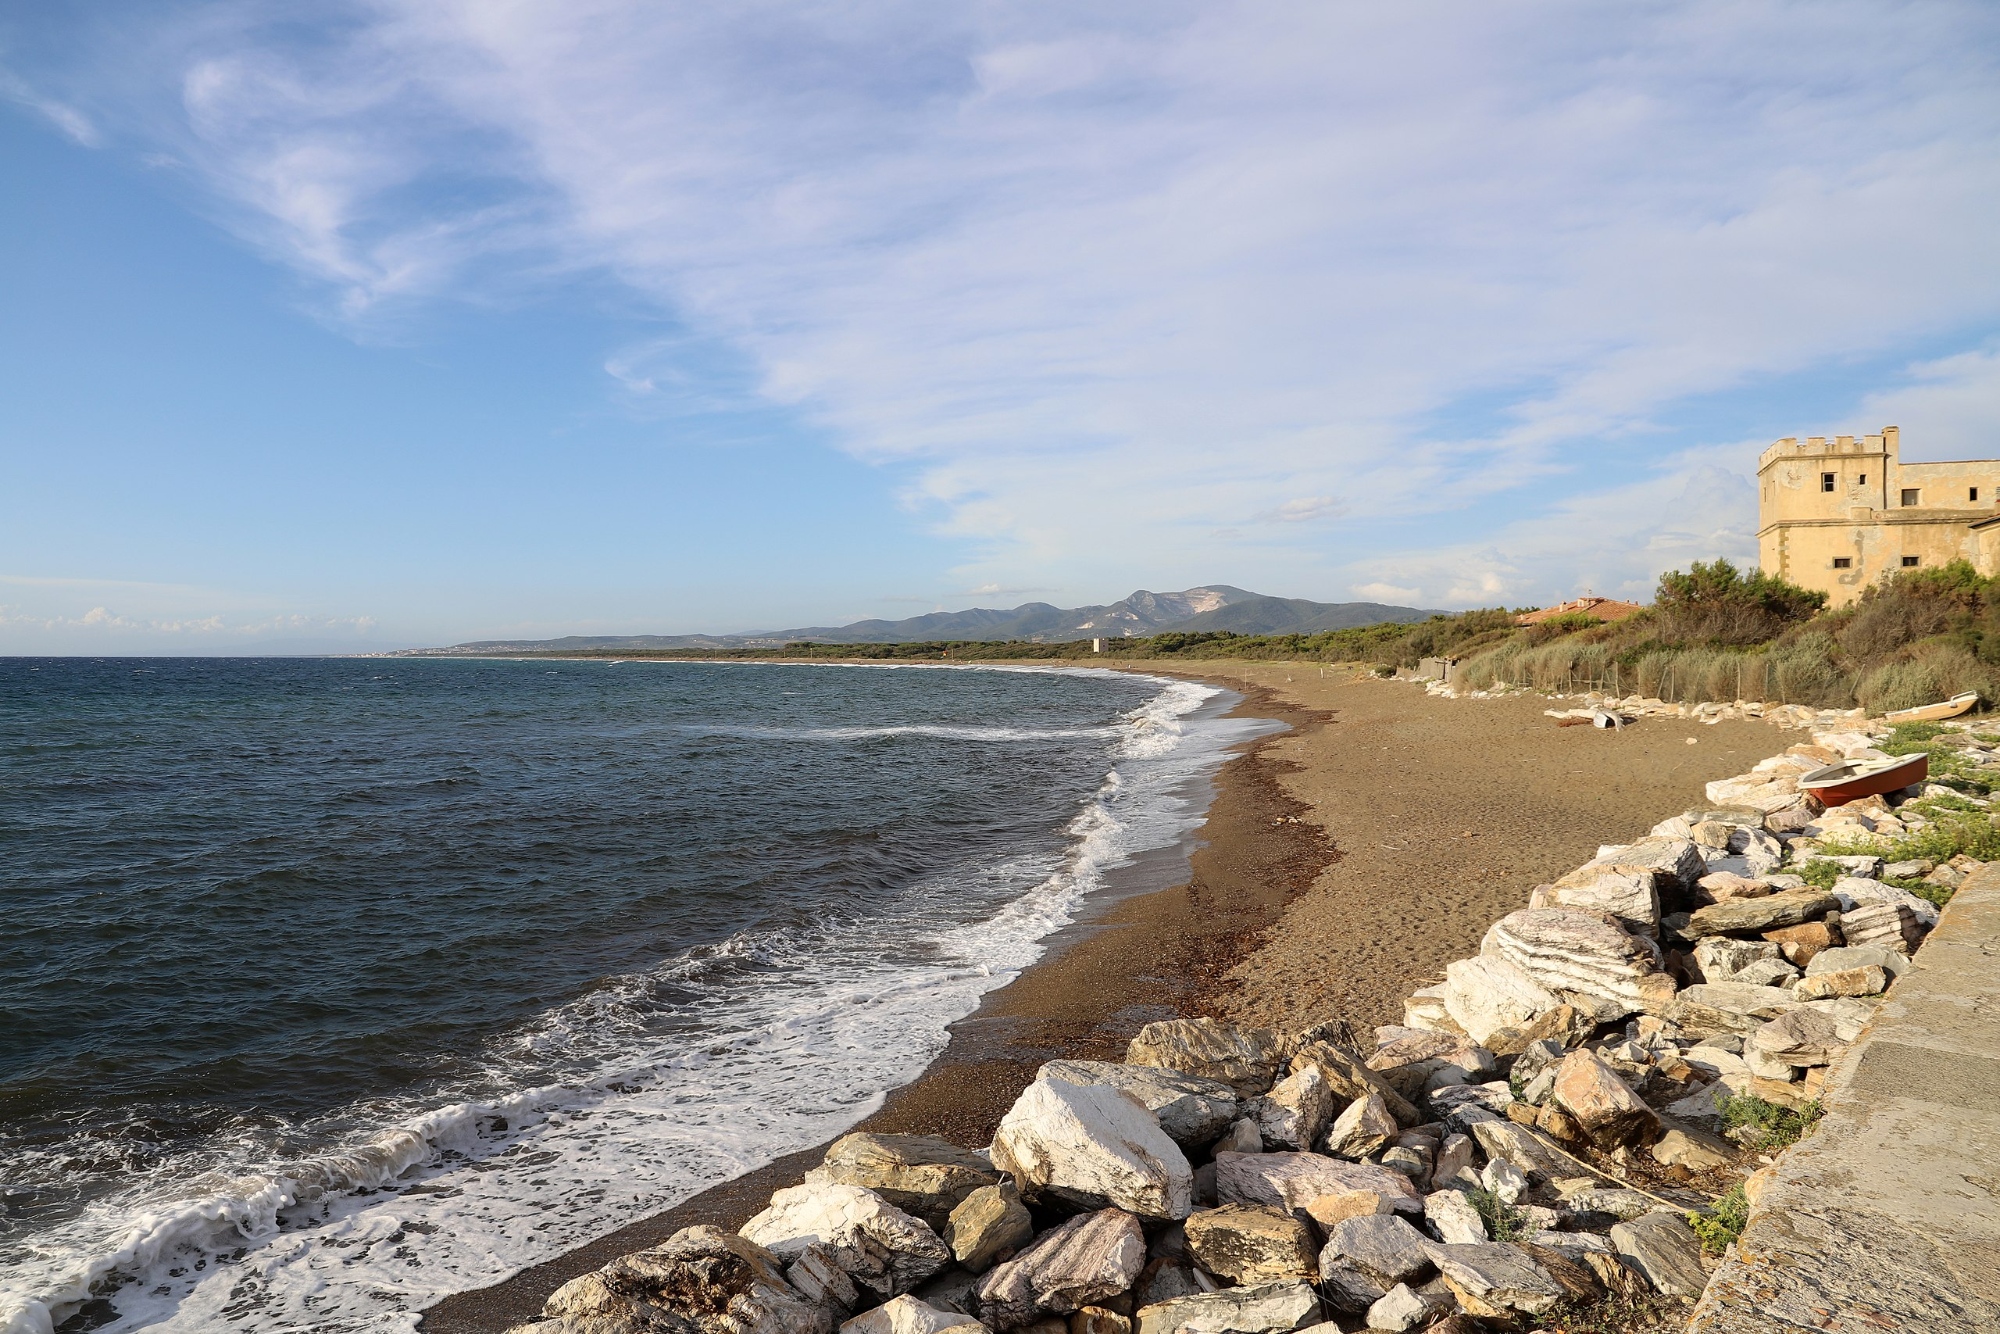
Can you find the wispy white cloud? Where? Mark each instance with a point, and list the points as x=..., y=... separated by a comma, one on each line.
x=64, y=117
x=1105, y=280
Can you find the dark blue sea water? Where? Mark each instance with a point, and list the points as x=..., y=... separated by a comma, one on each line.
x=331, y=986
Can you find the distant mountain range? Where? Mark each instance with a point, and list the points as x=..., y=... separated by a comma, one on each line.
x=1211, y=607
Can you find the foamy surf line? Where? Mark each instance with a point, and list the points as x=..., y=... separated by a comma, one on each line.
x=462, y=1196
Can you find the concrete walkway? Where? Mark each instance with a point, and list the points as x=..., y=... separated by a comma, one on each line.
x=1888, y=1216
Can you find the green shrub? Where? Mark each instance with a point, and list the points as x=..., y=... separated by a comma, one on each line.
x=1765, y=1126
x=1503, y=1221
x=1717, y=604
x=1722, y=1223
x=1820, y=873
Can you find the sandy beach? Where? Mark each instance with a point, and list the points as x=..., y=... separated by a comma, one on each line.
x=1342, y=864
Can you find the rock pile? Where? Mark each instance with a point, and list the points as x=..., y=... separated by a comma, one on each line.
x=1465, y=1166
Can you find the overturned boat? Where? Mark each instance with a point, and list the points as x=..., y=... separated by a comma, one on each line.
x=1851, y=780
x=1931, y=713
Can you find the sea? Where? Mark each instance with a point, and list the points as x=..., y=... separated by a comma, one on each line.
x=330, y=987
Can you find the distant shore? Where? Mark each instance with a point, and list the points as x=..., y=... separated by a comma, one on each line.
x=1342, y=864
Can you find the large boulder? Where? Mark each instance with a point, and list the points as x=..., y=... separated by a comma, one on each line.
x=1788, y=907
x=1665, y=1251
x=920, y=1174
x=1364, y=1129
x=701, y=1280
x=1085, y=1261
x=1801, y=1037
x=1601, y=1103
x=1715, y=1008
x=1840, y=958
x=1350, y=1078
x=1628, y=893
x=1495, y=1281
x=1192, y=1110
x=1869, y=981
x=988, y=1225
x=1365, y=1257
x=1296, y=1112
x=1890, y=926
x=1857, y=892
x=1453, y=1218
x=1246, y=1059
x=907, y=1315
x=1676, y=863
x=1585, y=956
x=1527, y=1149
x=1763, y=793
x=1487, y=994
x=1727, y=959
x=1091, y=1143
x=884, y=1250
x=1270, y=1308
x=1251, y=1244
x=1292, y=1181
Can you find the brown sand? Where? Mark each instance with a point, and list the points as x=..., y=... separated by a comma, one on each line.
x=1345, y=863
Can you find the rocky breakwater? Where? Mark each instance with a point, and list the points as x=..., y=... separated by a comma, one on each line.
x=1549, y=1129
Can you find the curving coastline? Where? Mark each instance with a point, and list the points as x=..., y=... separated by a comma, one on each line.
x=1296, y=906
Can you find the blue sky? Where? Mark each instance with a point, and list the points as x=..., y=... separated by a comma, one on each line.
x=412, y=321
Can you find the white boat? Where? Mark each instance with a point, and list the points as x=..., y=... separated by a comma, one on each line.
x=1931, y=713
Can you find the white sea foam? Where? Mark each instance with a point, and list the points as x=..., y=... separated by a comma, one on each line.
x=461, y=1196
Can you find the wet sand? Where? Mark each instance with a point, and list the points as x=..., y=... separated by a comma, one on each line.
x=1343, y=863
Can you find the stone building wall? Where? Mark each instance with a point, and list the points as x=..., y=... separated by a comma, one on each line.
x=1839, y=514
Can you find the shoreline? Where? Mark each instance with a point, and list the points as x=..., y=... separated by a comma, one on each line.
x=1304, y=902
x=1151, y=954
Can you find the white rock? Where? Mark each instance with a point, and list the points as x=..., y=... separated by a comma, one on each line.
x=1505, y=1180
x=1487, y=994
x=1246, y=1059
x=1626, y=892
x=1582, y=955
x=1400, y=1309
x=1721, y=958
x=1362, y=1129
x=907, y=1315
x=1084, y=1261
x=1272, y=1308
x=1839, y=959
x=1093, y=1140
x=1754, y=792
x=1889, y=926
x=1192, y=1110
x=1453, y=1219
x=884, y=1250
x=1854, y=892
x=1297, y=1111
x=701, y=1280
x=1294, y=1180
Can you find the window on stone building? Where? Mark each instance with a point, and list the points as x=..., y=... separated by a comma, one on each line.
x=1908, y=561
x=1972, y=493
x=1863, y=481
x=1826, y=481
x=1910, y=494
x=1843, y=562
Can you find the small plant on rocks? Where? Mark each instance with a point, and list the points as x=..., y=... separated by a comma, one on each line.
x=1722, y=1223
x=1757, y=1124
x=1821, y=873
x=1503, y=1221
